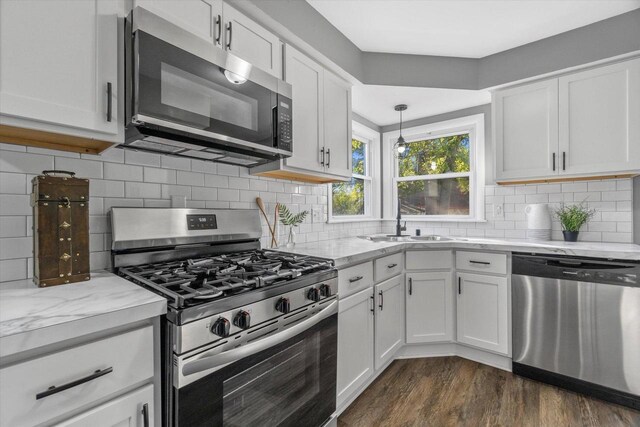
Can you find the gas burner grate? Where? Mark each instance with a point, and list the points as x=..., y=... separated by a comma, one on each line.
x=197, y=280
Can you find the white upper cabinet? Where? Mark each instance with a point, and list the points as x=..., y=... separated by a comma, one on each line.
x=59, y=66
x=526, y=130
x=580, y=124
x=251, y=42
x=307, y=80
x=600, y=119
x=483, y=312
x=200, y=17
x=337, y=125
x=429, y=307
x=389, y=320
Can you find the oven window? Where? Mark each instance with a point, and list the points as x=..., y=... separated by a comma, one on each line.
x=291, y=384
x=275, y=388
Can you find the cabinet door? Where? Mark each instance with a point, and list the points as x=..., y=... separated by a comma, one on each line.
x=57, y=60
x=483, y=310
x=337, y=125
x=200, y=17
x=306, y=78
x=429, y=307
x=251, y=42
x=600, y=120
x=526, y=131
x=129, y=410
x=389, y=319
x=355, y=343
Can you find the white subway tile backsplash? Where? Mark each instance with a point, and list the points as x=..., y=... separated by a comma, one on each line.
x=190, y=178
x=607, y=185
x=160, y=176
x=171, y=162
x=175, y=190
x=203, y=166
x=204, y=193
x=142, y=190
x=239, y=183
x=228, y=170
x=82, y=168
x=13, y=269
x=16, y=247
x=105, y=188
x=574, y=187
x=141, y=158
x=13, y=183
x=216, y=181
x=120, y=172
x=15, y=204
x=229, y=195
x=623, y=195
x=13, y=226
x=19, y=162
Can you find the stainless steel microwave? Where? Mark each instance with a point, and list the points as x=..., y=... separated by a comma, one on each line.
x=186, y=97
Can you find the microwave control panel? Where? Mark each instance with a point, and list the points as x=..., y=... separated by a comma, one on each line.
x=285, y=128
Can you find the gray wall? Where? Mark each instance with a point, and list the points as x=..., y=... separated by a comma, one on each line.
x=481, y=109
x=636, y=210
x=601, y=40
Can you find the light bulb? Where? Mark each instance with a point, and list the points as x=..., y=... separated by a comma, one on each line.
x=234, y=78
x=401, y=148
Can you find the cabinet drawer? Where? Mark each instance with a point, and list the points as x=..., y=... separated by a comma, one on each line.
x=429, y=260
x=387, y=267
x=123, y=360
x=354, y=279
x=481, y=262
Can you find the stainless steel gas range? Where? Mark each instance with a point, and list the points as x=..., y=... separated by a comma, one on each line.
x=250, y=335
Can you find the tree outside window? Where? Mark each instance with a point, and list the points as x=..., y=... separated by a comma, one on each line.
x=433, y=176
x=351, y=198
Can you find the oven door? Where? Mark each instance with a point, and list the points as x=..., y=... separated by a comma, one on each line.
x=284, y=379
x=177, y=89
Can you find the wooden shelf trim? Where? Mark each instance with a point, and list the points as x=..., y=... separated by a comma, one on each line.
x=51, y=140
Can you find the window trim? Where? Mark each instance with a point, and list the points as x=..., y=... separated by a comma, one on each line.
x=372, y=139
x=474, y=125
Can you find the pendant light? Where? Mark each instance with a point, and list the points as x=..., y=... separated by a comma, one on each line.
x=400, y=146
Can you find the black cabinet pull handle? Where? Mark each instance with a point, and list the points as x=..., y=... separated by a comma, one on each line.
x=373, y=304
x=322, y=156
x=109, y=101
x=459, y=285
x=381, y=300
x=392, y=265
x=230, y=30
x=410, y=286
x=479, y=262
x=57, y=389
x=554, y=161
x=145, y=415
x=328, y=156
x=564, y=161
x=355, y=279
x=219, y=24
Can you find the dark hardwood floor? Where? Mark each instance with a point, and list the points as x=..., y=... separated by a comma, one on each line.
x=451, y=391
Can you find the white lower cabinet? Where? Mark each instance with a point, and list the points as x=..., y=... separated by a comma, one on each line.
x=430, y=307
x=389, y=319
x=355, y=343
x=134, y=409
x=483, y=312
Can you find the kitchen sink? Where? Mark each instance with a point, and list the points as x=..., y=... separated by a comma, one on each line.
x=387, y=238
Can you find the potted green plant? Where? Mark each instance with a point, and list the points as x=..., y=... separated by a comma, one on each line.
x=291, y=220
x=572, y=218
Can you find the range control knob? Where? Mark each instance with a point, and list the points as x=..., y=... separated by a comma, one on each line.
x=325, y=291
x=283, y=305
x=221, y=327
x=242, y=319
x=314, y=294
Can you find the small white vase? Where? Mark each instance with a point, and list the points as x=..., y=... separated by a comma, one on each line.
x=291, y=237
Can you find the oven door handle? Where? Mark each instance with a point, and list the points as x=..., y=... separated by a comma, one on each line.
x=205, y=362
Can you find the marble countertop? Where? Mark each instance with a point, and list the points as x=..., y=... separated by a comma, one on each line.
x=31, y=317
x=352, y=250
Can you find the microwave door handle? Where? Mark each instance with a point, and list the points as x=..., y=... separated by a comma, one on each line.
x=274, y=125
x=205, y=362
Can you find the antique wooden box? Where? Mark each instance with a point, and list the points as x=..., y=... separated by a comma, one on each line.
x=61, y=228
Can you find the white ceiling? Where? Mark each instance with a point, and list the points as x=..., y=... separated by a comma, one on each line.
x=464, y=28
x=376, y=103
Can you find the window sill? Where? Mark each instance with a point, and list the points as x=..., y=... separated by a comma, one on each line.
x=351, y=219
x=431, y=219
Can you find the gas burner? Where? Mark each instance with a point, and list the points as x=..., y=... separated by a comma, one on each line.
x=194, y=281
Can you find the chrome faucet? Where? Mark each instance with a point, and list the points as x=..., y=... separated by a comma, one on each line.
x=400, y=228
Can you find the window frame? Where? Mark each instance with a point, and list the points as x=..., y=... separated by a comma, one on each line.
x=474, y=126
x=371, y=139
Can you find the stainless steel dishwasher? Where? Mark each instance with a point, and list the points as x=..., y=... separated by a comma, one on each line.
x=576, y=324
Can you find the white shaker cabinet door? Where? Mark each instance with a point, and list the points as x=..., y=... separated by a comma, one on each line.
x=600, y=120
x=134, y=409
x=252, y=42
x=483, y=312
x=59, y=63
x=307, y=78
x=337, y=125
x=526, y=131
x=389, y=321
x=355, y=343
x=429, y=307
